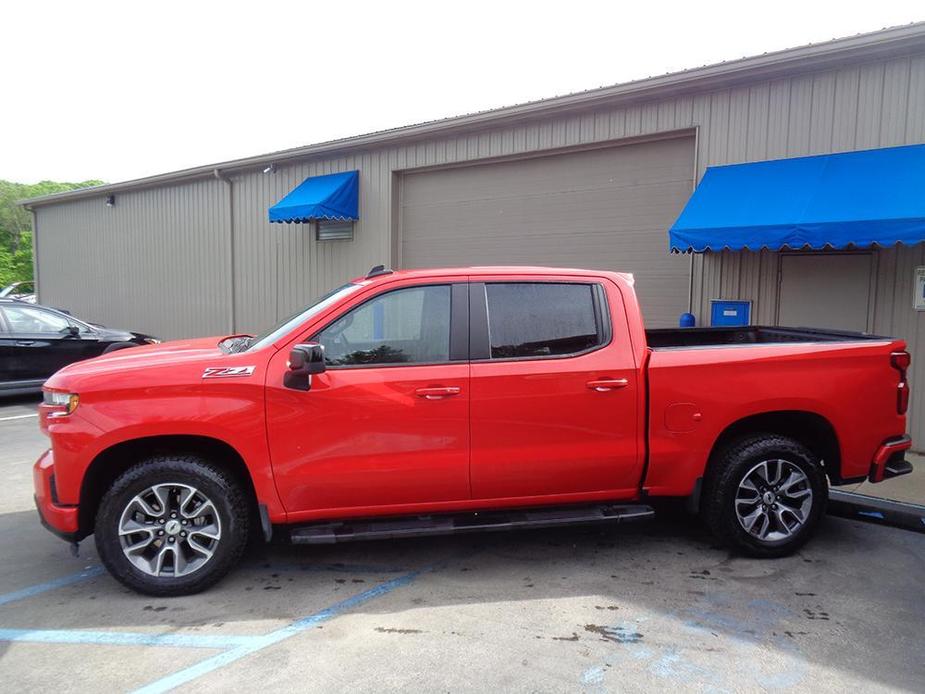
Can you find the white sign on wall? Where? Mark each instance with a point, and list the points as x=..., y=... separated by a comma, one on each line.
x=919, y=284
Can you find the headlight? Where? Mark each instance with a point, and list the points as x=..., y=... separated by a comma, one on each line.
x=64, y=403
x=152, y=341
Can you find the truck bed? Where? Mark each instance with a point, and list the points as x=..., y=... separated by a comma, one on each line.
x=667, y=338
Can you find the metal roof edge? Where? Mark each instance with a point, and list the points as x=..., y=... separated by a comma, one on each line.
x=882, y=43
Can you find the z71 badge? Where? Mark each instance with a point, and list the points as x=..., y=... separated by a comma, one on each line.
x=227, y=371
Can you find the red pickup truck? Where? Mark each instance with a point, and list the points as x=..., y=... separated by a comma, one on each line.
x=436, y=401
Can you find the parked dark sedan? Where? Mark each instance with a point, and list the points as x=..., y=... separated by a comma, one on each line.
x=36, y=341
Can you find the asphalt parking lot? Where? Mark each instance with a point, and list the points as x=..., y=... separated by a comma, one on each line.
x=626, y=608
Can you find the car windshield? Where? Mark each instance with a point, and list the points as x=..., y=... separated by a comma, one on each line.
x=288, y=324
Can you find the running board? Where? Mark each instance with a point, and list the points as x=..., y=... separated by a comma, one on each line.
x=420, y=526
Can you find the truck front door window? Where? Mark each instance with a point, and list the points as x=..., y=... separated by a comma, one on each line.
x=407, y=326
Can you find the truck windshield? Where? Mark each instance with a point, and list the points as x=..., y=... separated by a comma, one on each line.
x=288, y=324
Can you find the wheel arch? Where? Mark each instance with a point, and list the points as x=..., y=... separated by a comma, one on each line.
x=110, y=463
x=809, y=428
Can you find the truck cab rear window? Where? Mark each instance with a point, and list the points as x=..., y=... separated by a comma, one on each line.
x=542, y=319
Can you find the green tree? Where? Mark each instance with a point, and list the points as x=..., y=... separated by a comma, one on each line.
x=16, y=225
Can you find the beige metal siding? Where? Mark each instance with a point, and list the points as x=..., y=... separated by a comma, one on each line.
x=838, y=285
x=603, y=208
x=155, y=262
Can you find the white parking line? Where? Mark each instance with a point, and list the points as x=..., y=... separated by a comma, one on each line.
x=19, y=416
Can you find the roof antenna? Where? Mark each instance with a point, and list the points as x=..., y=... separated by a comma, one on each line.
x=378, y=270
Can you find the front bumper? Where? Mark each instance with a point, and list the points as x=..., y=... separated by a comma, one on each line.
x=890, y=461
x=61, y=520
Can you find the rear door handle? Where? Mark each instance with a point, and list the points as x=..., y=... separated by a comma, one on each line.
x=604, y=384
x=25, y=343
x=437, y=392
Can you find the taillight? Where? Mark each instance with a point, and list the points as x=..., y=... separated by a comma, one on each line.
x=901, y=361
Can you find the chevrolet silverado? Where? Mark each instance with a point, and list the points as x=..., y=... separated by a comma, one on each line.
x=437, y=401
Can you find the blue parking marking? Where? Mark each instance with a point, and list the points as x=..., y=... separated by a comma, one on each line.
x=94, y=571
x=115, y=638
x=234, y=647
x=871, y=514
x=258, y=643
x=31, y=591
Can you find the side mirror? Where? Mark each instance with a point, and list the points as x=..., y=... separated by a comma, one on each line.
x=71, y=331
x=304, y=360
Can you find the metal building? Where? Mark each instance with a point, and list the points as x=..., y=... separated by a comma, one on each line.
x=591, y=179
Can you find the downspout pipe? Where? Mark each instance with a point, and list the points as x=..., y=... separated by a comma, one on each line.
x=221, y=176
x=35, y=254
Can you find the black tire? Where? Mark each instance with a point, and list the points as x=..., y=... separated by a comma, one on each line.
x=230, y=506
x=116, y=346
x=729, y=469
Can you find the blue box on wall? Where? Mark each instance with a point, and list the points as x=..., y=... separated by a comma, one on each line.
x=729, y=313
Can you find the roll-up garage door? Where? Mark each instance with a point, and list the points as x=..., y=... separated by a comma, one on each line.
x=604, y=208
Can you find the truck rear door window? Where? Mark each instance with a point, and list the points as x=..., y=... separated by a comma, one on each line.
x=542, y=319
x=405, y=326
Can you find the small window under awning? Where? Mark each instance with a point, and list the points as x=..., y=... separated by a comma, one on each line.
x=850, y=200
x=334, y=196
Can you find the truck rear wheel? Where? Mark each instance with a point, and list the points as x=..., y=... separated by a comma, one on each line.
x=172, y=525
x=764, y=495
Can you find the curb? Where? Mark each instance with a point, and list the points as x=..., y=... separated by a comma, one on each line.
x=871, y=509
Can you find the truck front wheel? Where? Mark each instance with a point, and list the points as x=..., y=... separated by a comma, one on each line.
x=764, y=495
x=172, y=525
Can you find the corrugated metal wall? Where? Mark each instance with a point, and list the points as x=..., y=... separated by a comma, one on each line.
x=154, y=262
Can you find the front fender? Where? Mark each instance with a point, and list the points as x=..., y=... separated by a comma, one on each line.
x=230, y=413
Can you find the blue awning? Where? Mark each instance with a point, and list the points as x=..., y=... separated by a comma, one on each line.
x=851, y=200
x=334, y=196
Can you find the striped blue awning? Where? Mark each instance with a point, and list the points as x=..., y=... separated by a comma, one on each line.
x=851, y=200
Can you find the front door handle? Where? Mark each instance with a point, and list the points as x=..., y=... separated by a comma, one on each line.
x=604, y=384
x=437, y=392
x=25, y=343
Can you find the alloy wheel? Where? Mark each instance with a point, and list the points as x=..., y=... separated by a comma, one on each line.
x=773, y=500
x=170, y=529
